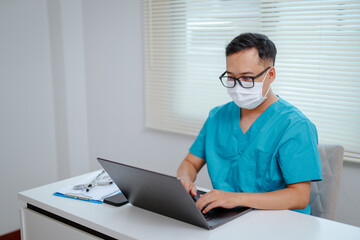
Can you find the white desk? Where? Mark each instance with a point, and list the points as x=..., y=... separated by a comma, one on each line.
x=129, y=222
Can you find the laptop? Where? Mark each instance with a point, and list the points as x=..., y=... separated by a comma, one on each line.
x=165, y=195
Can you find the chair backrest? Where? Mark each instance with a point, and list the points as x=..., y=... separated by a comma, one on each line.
x=323, y=196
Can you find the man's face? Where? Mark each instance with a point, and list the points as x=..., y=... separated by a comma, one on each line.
x=247, y=63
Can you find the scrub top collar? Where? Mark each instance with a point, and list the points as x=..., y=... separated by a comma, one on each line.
x=244, y=139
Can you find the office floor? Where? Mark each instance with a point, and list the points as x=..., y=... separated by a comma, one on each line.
x=11, y=236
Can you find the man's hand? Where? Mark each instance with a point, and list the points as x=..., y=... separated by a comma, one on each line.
x=294, y=196
x=217, y=198
x=189, y=185
x=188, y=170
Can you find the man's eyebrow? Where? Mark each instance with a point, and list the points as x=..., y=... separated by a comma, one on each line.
x=243, y=73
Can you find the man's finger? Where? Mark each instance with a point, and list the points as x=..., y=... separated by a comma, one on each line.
x=189, y=186
x=193, y=190
x=210, y=206
x=202, y=202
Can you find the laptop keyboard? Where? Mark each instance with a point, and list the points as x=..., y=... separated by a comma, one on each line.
x=209, y=215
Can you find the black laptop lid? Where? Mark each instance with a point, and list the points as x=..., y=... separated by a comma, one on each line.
x=155, y=192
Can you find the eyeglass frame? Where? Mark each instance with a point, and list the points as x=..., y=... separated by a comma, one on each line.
x=238, y=79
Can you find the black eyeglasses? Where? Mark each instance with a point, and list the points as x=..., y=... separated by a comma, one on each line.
x=245, y=81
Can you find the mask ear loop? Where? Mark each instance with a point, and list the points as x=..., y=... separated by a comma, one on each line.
x=269, y=84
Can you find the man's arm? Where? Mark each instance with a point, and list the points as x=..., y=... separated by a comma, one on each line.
x=294, y=196
x=188, y=170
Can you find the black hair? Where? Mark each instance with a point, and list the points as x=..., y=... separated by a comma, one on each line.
x=265, y=47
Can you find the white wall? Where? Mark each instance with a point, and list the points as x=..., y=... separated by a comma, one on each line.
x=27, y=129
x=72, y=89
x=115, y=91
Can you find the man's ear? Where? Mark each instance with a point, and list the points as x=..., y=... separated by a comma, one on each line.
x=272, y=74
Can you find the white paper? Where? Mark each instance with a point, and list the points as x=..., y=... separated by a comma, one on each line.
x=97, y=193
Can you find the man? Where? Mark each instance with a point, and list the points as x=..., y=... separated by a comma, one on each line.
x=261, y=152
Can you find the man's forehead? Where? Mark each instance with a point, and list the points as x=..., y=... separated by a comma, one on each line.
x=245, y=72
x=244, y=62
x=249, y=52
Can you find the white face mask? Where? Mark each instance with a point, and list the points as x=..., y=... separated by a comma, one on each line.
x=248, y=98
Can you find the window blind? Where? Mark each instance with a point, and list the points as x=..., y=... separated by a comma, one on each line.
x=318, y=61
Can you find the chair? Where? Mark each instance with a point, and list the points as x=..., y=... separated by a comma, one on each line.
x=323, y=196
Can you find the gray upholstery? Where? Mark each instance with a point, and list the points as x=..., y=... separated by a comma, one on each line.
x=323, y=196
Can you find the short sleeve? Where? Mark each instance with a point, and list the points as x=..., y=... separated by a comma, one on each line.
x=198, y=147
x=299, y=158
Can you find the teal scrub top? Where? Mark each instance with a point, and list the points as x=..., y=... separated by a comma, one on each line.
x=280, y=148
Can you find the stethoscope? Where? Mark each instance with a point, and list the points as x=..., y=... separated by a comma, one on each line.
x=101, y=179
